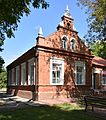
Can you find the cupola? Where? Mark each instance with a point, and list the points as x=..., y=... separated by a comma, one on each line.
x=67, y=21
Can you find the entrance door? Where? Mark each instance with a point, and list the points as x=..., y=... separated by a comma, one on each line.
x=94, y=81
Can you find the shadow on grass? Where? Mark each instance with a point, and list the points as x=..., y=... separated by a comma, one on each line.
x=64, y=112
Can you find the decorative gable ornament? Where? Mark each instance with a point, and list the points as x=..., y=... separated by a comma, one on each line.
x=67, y=12
x=61, y=24
x=40, y=33
x=74, y=27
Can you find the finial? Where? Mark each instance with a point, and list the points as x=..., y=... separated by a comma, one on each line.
x=40, y=33
x=67, y=12
x=67, y=9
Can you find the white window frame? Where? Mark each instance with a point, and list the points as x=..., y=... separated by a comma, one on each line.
x=64, y=42
x=103, y=78
x=23, y=75
x=83, y=73
x=72, y=43
x=31, y=62
x=57, y=61
x=17, y=75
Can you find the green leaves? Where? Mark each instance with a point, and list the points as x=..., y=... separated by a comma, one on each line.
x=43, y=3
x=96, y=9
x=99, y=48
x=3, y=78
x=11, y=12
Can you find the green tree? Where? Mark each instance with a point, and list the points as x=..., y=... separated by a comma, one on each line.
x=1, y=59
x=99, y=49
x=96, y=10
x=3, y=78
x=11, y=12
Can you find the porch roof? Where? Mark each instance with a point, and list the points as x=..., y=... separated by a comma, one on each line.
x=99, y=61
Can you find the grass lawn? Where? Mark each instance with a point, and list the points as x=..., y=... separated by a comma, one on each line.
x=59, y=112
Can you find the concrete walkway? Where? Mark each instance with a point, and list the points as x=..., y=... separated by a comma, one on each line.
x=7, y=99
x=14, y=102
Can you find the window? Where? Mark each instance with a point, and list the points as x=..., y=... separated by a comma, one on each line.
x=80, y=73
x=13, y=77
x=104, y=80
x=17, y=75
x=56, y=71
x=72, y=44
x=31, y=70
x=9, y=77
x=64, y=42
x=23, y=74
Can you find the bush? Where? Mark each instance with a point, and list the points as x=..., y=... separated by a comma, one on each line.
x=3, y=79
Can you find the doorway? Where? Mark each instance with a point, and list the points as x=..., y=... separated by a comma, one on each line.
x=94, y=81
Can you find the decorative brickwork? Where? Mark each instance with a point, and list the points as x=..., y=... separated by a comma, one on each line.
x=65, y=45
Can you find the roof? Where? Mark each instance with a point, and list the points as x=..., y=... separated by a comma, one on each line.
x=99, y=61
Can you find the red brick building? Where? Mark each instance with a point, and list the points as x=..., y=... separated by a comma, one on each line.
x=59, y=65
x=99, y=74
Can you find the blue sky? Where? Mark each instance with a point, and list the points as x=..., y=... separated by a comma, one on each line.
x=25, y=36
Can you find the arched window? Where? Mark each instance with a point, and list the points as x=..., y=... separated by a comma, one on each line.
x=72, y=44
x=64, y=42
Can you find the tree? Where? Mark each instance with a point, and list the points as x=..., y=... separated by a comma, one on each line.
x=96, y=9
x=3, y=78
x=11, y=12
x=1, y=59
x=99, y=49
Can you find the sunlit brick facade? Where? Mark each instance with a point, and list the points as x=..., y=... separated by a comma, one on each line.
x=58, y=66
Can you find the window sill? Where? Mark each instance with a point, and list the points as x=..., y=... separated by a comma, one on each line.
x=56, y=84
x=104, y=84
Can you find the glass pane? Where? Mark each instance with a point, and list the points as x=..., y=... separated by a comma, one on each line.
x=79, y=78
x=54, y=81
x=32, y=74
x=104, y=80
x=58, y=74
x=79, y=69
x=54, y=74
x=54, y=66
x=64, y=44
x=64, y=38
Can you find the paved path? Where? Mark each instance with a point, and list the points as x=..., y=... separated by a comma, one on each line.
x=14, y=102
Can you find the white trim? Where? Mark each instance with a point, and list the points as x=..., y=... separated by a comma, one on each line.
x=72, y=46
x=92, y=79
x=97, y=70
x=55, y=58
x=31, y=62
x=72, y=38
x=104, y=78
x=64, y=36
x=58, y=61
x=66, y=42
x=17, y=79
x=23, y=80
x=80, y=64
